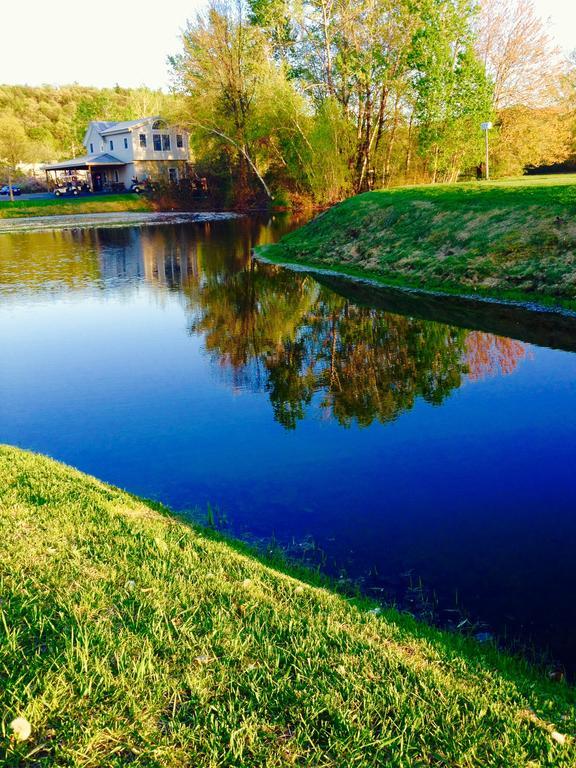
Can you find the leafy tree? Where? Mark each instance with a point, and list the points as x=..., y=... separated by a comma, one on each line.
x=220, y=71
x=14, y=146
x=453, y=93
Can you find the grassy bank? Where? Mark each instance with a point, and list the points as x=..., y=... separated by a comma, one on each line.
x=65, y=206
x=128, y=637
x=513, y=239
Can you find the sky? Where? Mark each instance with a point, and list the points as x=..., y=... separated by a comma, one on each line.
x=121, y=41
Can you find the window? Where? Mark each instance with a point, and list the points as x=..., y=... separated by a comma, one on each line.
x=173, y=175
x=125, y=143
x=111, y=144
x=157, y=125
x=179, y=141
x=116, y=177
x=157, y=142
x=166, y=142
x=142, y=139
x=91, y=149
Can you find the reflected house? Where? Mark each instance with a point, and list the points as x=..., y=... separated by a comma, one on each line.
x=119, y=153
x=162, y=256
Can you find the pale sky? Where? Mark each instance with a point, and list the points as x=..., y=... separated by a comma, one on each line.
x=99, y=43
x=127, y=42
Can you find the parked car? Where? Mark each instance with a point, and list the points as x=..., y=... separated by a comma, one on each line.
x=5, y=190
x=71, y=190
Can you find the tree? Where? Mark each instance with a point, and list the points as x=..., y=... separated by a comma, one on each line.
x=453, y=94
x=529, y=75
x=220, y=71
x=14, y=146
x=518, y=54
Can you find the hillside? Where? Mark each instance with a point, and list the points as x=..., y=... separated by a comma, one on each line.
x=55, y=118
x=514, y=239
x=129, y=637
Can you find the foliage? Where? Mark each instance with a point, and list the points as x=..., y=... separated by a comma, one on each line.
x=131, y=637
x=55, y=118
x=528, y=137
x=14, y=146
x=315, y=95
x=347, y=96
x=453, y=95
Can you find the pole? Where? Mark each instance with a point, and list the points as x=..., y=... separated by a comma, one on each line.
x=487, y=158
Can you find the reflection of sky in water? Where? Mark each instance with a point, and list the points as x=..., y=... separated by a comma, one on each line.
x=148, y=357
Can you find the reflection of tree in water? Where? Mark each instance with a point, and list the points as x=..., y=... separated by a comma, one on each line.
x=282, y=332
x=488, y=355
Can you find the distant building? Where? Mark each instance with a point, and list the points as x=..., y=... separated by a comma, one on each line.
x=120, y=152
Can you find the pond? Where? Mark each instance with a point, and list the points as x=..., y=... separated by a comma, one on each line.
x=424, y=448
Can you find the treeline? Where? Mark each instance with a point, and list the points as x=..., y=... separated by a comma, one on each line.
x=315, y=100
x=53, y=120
x=320, y=99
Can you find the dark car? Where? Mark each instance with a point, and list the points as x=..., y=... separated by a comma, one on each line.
x=5, y=190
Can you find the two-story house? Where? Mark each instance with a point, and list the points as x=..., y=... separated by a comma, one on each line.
x=120, y=152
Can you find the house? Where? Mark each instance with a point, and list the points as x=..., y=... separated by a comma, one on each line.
x=117, y=153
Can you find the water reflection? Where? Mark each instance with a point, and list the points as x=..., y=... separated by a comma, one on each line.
x=291, y=337
x=165, y=360
x=271, y=330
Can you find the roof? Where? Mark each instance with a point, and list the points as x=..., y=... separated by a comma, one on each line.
x=86, y=161
x=101, y=125
x=124, y=125
x=108, y=127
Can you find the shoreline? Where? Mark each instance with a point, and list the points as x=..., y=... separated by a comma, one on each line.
x=506, y=244
x=375, y=281
x=111, y=219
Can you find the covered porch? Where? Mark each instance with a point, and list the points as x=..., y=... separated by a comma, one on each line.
x=100, y=173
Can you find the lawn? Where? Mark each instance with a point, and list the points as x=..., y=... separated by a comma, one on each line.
x=512, y=239
x=65, y=206
x=130, y=637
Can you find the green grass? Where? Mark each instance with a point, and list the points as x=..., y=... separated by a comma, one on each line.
x=514, y=239
x=128, y=637
x=65, y=206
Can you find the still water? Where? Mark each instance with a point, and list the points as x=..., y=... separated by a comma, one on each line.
x=396, y=440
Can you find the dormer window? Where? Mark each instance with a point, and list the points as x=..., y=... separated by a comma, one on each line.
x=158, y=125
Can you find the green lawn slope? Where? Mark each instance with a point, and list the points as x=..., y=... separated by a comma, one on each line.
x=511, y=240
x=127, y=637
x=71, y=205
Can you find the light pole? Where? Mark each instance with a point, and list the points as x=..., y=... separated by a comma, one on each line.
x=486, y=127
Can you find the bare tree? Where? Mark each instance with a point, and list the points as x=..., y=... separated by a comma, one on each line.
x=518, y=53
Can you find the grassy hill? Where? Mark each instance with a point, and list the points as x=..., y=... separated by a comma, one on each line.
x=127, y=637
x=514, y=239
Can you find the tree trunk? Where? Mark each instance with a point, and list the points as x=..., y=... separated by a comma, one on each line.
x=389, y=148
x=408, y=150
x=435, y=168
